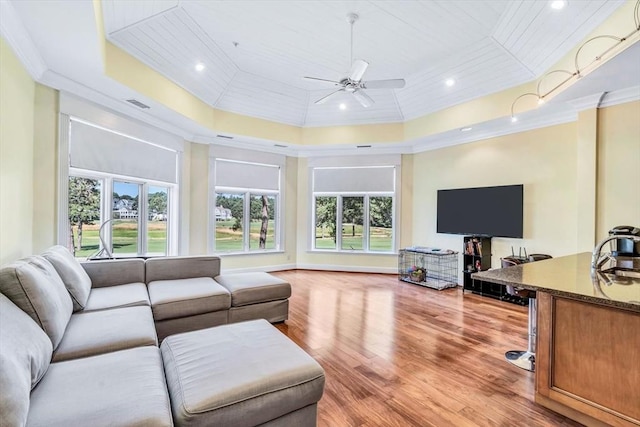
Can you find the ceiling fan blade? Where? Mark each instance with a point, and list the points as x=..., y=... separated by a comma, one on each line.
x=322, y=80
x=363, y=98
x=384, y=84
x=326, y=98
x=357, y=70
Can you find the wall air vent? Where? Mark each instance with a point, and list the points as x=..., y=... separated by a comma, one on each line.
x=224, y=136
x=363, y=146
x=137, y=103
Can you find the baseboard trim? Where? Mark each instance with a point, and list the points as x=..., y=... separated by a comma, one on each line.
x=318, y=267
x=348, y=268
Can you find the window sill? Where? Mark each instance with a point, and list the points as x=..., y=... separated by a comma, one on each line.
x=350, y=252
x=265, y=252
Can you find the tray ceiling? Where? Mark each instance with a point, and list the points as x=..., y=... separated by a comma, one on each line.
x=256, y=52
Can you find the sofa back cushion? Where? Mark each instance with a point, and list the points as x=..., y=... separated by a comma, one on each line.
x=181, y=267
x=36, y=288
x=74, y=277
x=112, y=272
x=25, y=353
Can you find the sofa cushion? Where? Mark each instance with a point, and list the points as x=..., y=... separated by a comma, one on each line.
x=123, y=388
x=36, y=288
x=73, y=276
x=171, y=299
x=252, y=288
x=110, y=272
x=129, y=295
x=243, y=374
x=99, y=332
x=176, y=267
x=25, y=352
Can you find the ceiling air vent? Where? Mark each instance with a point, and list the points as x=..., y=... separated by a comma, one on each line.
x=137, y=103
x=279, y=145
x=363, y=146
x=224, y=136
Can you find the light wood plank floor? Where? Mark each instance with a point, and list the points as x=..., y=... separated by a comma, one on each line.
x=397, y=354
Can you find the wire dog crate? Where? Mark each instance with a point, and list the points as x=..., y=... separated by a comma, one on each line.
x=433, y=268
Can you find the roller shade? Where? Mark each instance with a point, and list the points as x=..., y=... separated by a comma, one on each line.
x=247, y=175
x=99, y=150
x=356, y=180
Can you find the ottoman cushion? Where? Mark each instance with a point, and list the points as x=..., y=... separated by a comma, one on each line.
x=252, y=288
x=172, y=299
x=243, y=374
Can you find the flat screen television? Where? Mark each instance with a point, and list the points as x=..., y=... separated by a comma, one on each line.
x=483, y=211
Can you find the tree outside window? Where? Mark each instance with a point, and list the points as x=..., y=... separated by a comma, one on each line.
x=84, y=211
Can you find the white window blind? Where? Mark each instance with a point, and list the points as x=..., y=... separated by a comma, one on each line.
x=354, y=179
x=100, y=150
x=238, y=174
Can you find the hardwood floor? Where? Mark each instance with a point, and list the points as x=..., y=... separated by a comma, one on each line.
x=397, y=354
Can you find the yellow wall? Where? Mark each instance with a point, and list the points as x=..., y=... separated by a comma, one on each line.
x=45, y=168
x=618, y=177
x=17, y=94
x=544, y=160
x=199, y=198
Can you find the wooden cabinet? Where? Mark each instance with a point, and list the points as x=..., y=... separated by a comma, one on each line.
x=588, y=361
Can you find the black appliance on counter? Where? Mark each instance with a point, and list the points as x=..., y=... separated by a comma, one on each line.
x=625, y=247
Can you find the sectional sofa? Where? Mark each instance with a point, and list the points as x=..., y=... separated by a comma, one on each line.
x=79, y=345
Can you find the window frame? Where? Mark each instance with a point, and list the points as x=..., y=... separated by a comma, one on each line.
x=366, y=219
x=106, y=210
x=247, y=192
x=359, y=163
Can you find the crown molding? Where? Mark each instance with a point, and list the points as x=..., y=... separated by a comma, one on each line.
x=115, y=105
x=16, y=35
x=621, y=96
x=587, y=102
x=503, y=126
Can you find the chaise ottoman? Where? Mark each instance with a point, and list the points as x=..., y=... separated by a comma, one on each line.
x=256, y=296
x=243, y=374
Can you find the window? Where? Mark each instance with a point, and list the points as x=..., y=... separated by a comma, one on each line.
x=126, y=230
x=246, y=206
x=353, y=208
x=120, y=195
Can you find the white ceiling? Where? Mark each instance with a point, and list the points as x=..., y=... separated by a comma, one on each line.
x=256, y=52
x=57, y=41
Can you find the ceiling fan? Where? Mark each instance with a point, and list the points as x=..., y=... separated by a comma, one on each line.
x=353, y=83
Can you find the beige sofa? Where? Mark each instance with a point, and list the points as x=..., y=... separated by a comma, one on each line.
x=78, y=345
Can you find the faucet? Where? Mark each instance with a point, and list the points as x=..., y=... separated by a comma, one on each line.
x=596, y=261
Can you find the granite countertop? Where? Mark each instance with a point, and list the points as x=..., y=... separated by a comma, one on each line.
x=568, y=276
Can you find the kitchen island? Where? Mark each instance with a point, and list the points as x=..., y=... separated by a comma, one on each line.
x=588, y=338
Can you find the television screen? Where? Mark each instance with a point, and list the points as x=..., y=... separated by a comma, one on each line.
x=486, y=211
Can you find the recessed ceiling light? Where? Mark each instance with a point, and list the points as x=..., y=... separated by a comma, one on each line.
x=467, y=129
x=199, y=66
x=540, y=100
x=343, y=106
x=558, y=4
x=514, y=119
x=450, y=82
